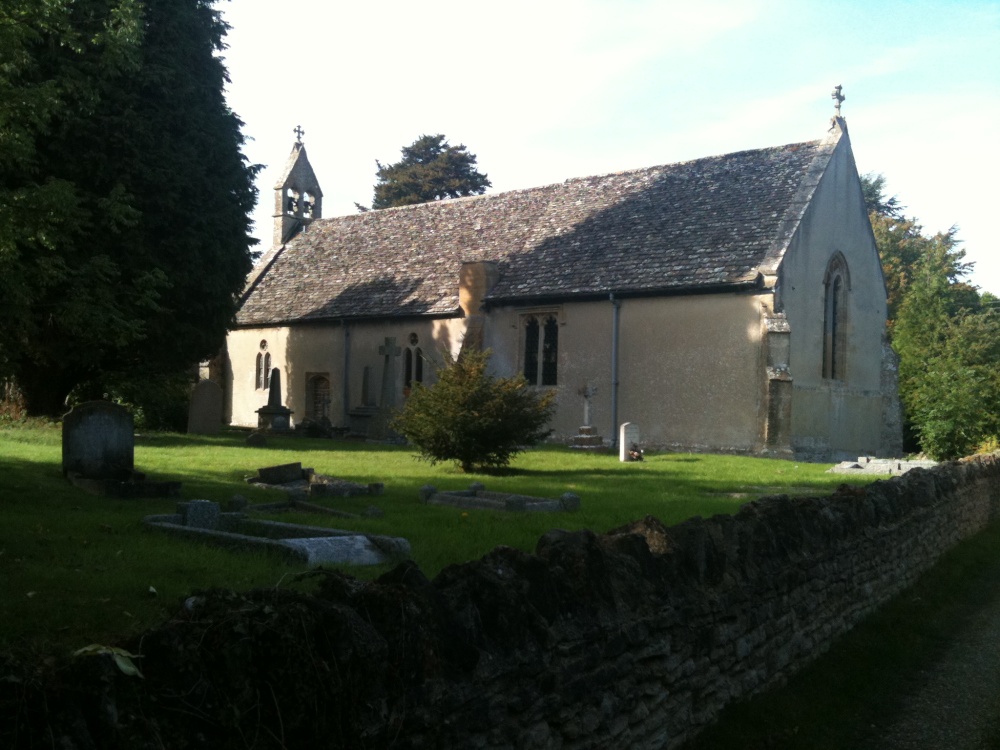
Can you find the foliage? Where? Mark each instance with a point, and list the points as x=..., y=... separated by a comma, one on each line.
x=157, y=401
x=990, y=444
x=949, y=373
x=472, y=417
x=431, y=169
x=947, y=335
x=124, y=195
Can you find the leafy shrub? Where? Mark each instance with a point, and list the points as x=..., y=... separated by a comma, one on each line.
x=473, y=418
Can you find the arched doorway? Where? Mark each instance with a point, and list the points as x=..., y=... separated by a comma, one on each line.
x=318, y=398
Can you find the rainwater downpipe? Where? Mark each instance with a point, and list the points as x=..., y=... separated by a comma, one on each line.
x=347, y=372
x=615, y=319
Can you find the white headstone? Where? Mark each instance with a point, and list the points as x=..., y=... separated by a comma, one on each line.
x=628, y=436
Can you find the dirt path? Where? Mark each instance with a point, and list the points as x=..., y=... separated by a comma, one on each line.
x=957, y=704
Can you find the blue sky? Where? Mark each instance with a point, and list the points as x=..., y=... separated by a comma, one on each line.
x=543, y=90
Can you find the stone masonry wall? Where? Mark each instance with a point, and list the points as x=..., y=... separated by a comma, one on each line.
x=635, y=638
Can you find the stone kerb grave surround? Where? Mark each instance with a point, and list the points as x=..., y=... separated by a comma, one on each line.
x=476, y=497
x=636, y=638
x=204, y=521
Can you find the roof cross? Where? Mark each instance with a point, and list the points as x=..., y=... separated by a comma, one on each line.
x=837, y=97
x=299, y=132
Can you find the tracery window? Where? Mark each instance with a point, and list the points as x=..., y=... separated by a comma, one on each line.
x=413, y=363
x=263, y=369
x=541, y=349
x=837, y=285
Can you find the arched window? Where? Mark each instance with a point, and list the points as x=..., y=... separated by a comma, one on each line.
x=413, y=363
x=262, y=371
x=837, y=286
x=541, y=349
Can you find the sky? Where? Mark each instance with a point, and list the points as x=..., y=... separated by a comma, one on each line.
x=544, y=90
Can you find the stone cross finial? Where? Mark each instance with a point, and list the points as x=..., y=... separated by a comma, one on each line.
x=837, y=97
x=299, y=132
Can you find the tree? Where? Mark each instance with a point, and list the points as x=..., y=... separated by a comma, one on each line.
x=431, y=169
x=473, y=418
x=949, y=371
x=947, y=335
x=125, y=201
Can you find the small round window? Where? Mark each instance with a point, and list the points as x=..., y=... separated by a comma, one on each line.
x=413, y=339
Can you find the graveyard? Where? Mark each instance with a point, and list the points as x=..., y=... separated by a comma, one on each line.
x=79, y=566
x=80, y=569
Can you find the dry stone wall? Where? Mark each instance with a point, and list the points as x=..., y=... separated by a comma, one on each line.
x=635, y=638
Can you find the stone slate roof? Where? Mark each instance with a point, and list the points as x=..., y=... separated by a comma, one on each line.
x=711, y=223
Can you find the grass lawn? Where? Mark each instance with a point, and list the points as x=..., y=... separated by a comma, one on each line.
x=77, y=569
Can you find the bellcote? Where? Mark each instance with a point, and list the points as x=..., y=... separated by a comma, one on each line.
x=298, y=198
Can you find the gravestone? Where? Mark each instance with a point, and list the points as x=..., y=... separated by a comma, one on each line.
x=628, y=441
x=205, y=411
x=391, y=352
x=379, y=426
x=98, y=441
x=587, y=438
x=274, y=416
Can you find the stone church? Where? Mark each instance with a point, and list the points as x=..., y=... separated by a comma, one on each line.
x=732, y=303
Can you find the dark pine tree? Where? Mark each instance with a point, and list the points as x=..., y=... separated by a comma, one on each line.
x=431, y=169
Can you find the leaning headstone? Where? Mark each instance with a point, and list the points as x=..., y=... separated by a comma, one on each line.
x=205, y=411
x=98, y=441
x=628, y=441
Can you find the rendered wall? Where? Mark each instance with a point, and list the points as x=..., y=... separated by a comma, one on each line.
x=690, y=369
x=836, y=418
x=335, y=351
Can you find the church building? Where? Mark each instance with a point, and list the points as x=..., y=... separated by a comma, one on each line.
x=732, y=303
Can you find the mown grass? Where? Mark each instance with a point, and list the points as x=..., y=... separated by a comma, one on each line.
x=76, y=568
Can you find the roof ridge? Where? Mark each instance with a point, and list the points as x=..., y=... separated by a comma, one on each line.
x=576, y=179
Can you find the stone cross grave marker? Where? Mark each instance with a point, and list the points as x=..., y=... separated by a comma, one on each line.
x=205, y=411
x=588, y=392
x=390, y=351
x=628, y=436
x=98, y=441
